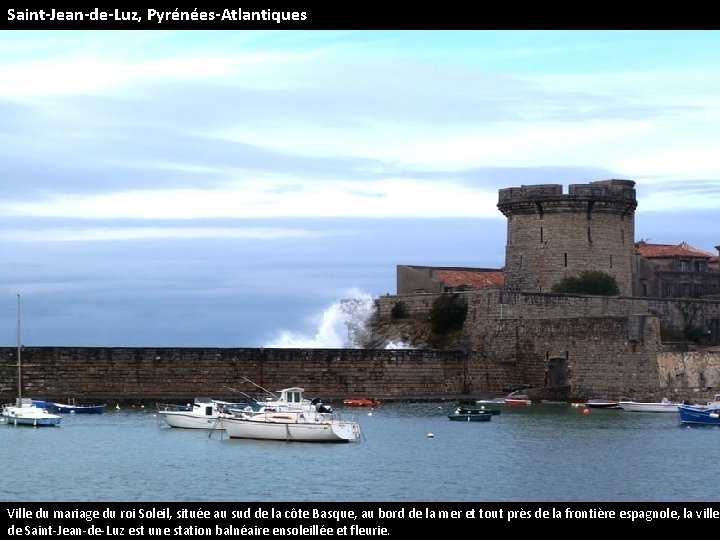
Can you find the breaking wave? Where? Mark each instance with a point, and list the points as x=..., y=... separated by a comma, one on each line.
x=343, y=325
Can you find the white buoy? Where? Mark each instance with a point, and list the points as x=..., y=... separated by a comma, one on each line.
x=430, y=435
x=369, y=414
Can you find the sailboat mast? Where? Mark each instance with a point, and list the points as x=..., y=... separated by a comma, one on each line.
x=19, y=363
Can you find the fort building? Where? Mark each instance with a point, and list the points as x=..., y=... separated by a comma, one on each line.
x=658, y=336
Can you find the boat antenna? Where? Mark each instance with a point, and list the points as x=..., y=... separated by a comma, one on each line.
x=260, y=387
x=240, y=392
x=19, y=363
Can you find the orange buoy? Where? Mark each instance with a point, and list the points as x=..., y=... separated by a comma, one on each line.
x=586, y=411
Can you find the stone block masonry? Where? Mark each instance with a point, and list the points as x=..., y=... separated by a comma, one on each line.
x=141, y=375
x=603, y=364
x=611, y=345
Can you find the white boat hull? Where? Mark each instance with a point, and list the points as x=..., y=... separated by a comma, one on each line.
x=633, y=406
x=291, y=427
x=190, y=421
x=203, y=413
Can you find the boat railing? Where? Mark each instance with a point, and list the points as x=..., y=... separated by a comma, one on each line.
x=173, y=407
x=337, y=416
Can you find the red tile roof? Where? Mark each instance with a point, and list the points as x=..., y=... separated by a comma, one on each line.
x=473, y=279
x=658, y=251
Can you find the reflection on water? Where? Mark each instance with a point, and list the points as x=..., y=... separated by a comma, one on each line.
x=408, y=452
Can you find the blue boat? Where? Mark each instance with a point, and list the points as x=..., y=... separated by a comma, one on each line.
x=701, y=414
x=71, y=407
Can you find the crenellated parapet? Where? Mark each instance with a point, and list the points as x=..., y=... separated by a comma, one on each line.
x=613, y=195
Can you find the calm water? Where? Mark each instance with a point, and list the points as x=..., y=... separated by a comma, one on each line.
x=537, y=453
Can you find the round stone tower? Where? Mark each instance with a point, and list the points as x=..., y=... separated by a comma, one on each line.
x=552, y=235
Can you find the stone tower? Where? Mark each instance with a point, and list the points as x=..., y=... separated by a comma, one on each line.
x=552, y=235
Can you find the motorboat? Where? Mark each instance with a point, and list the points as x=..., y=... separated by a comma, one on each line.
x=287, y=400
x=202, y=413
x=481, y=408
x=465, y=414
x=515, y=399
x=662, y=406
x=708, y=414
x=602, y=403
x=290, y=417
x=362, y=402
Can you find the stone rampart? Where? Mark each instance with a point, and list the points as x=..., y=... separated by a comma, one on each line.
x=171, y=374
x=674, y=314
x=611, y=345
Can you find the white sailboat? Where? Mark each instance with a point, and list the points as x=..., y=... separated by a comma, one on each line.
x=24, y=412
x=290, y=417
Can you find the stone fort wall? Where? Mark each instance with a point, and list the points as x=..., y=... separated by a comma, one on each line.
x=674, y=313
x=612, y=346
x=140, y=375
x=606, y=365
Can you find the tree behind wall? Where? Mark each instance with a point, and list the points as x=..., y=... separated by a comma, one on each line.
x=593, y=282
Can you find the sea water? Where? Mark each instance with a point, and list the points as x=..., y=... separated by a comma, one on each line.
x=407, y=452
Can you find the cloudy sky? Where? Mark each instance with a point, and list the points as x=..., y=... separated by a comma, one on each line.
x=228, y=188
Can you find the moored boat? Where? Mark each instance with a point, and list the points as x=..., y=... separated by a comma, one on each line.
x=708, y=414
x=72, y=407
x=290, y=417
x=465, y=414
x=462, y=409
x=306, y=426
x=602, y=403
x=25, y=413
x=362, y=402
x=517, y=400
x=202, y=413
x=662, y=406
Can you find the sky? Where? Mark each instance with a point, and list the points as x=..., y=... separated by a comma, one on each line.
x=204, y=188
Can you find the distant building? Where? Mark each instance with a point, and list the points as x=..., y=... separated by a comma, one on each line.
x=431, y=279
x=677, y=271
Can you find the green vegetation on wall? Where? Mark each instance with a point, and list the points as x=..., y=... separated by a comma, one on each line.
x=399, y=310
x=593, y=282
x=446, y=316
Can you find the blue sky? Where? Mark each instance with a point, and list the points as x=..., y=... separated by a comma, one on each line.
x=228, y=188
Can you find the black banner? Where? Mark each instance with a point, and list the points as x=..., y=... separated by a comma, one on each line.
x=369, y=520
x=360, y=16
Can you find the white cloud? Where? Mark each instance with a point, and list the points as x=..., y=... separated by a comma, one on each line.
x=389, y=198
x=93, y=234
x=92, y=73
